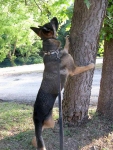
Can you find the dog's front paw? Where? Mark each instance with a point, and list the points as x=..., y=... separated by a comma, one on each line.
x=67, y=40
x=91, y=66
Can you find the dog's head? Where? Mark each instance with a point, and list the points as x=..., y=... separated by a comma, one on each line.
x=48, y=30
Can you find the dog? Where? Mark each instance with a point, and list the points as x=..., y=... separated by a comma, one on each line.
x=54, y=56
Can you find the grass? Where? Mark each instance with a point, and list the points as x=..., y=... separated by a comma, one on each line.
x=17, y=130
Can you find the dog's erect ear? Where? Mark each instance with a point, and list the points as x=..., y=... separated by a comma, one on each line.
x=54, y=22
x=36, y=30
x=47, y=27
x=48, y=30
x=43, y=31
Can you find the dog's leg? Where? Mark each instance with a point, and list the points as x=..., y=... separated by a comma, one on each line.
x=66, y=47
x=49, y=123
x=38, y=140
x=79, y=70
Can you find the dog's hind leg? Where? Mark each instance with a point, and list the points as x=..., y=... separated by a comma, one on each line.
x=38, y=140
x=49, y=122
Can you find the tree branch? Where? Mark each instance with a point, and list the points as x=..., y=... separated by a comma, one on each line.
x=38, y=6
x=25, y=2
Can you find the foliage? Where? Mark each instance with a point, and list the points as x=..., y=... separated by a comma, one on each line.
x=64, y=31
x=101, y=49
x=107, y=29
x=17, y=41
x=108, y=22
x=14, y=31
x=19, y=45
x=87, y=3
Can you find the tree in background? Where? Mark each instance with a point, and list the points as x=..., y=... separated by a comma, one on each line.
x=15, y=32
x=105, y=100
x=84, y=39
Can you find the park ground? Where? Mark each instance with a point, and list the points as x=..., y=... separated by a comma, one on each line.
x=17, y=130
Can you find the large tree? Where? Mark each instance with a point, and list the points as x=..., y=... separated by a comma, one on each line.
x=84, y=38
x=105, y=101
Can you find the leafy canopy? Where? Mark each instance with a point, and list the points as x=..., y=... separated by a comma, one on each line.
x=16, y=38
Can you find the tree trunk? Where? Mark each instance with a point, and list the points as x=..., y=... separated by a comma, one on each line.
x=105, y=101
x=84, y=37
x=11, y=54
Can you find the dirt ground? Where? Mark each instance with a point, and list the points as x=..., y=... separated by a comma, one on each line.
x=17, y=131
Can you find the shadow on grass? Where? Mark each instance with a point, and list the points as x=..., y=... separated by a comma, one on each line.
x=21, y=141
x=96, y=134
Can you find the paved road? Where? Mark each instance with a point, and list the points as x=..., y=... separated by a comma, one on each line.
x=22, y=83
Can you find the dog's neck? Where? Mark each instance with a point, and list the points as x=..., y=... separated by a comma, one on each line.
x=51, y=45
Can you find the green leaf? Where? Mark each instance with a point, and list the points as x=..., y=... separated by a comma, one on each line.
x=87, y=3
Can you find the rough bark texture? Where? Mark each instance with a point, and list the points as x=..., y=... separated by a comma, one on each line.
x=105, y=101
x=84, y=35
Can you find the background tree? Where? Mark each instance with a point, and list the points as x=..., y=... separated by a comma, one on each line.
x=105, y=100
x=15, y=32
x=84, y=38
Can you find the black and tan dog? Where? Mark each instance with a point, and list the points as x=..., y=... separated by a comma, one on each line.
x=53, y=55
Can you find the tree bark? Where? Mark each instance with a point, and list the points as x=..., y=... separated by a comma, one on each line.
x=105, y=101
x=84, y=37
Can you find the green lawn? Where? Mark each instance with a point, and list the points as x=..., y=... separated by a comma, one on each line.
x=16, y=126
x=17, y=130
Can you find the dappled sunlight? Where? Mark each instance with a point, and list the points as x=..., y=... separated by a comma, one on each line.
x=17, y=130
x=103, y=143
x=15, y=118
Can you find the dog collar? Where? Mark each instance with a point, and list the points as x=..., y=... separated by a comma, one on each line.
x=52, y=53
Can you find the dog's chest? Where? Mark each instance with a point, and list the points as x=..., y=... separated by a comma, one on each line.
x=54, y=65
x=50, y=76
